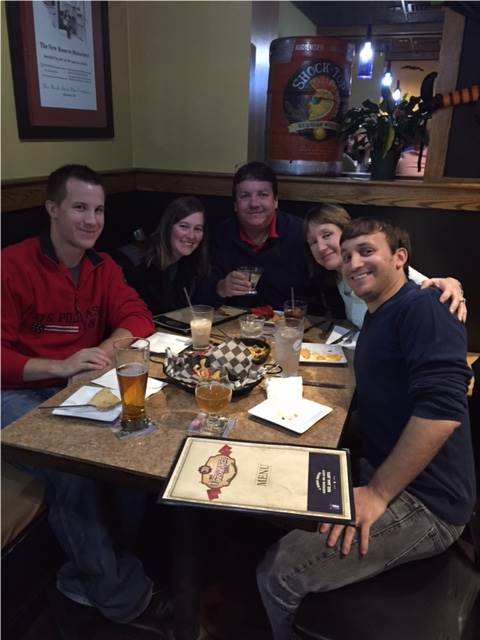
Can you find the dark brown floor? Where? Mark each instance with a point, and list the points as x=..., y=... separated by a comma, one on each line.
x=230, y=605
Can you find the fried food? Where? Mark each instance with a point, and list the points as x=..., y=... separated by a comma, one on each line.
x=306, y=354
x=205, y=373
x=104, y=399
x=257, y=352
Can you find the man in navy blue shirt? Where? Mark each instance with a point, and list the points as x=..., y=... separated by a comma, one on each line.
x=258, y=235
x=415, y=488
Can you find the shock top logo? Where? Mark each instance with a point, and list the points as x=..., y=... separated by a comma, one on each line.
x=314, y=99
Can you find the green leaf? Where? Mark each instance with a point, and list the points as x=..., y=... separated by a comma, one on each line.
x=389, y=140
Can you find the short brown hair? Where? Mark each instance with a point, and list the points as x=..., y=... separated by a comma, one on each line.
x=323, y=214
x=57, y=181
x=397, y=238
x=255, y=171
x=327, y=214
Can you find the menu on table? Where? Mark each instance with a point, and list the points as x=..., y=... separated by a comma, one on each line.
x=301, y=481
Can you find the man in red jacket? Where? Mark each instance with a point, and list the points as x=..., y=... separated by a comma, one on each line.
x=63, y=305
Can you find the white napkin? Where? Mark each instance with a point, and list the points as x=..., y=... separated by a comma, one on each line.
x=110, y=381
x=83, y=396
x=285, y=393
x=159, y=341
x=337, y=332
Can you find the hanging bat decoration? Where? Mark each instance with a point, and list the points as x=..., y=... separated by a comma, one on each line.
x=431, y=103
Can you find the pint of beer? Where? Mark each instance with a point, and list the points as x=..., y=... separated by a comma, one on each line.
x=131, y=360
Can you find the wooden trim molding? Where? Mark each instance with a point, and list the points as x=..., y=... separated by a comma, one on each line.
x=448, y=70
x=446, y=195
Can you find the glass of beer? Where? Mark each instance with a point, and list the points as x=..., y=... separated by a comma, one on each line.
x=131, y=362
x=212, y=397
x=201, y=325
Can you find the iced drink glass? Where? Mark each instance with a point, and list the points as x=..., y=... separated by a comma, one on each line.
x=201, y=325
x=251, y=326
x=131, y=362
x=288, y=342
x=296, y=310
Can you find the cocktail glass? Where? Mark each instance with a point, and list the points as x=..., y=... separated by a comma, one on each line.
x=253, y=274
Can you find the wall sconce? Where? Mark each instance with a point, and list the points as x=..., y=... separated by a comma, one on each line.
x=387, y=76
x=365, y=57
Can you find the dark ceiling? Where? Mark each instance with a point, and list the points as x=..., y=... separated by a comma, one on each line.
x=404, y=30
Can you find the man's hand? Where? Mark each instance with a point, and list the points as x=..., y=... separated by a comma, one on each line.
x=369, y=506
x=83, y=360
x=236, y=283
x=451, y=291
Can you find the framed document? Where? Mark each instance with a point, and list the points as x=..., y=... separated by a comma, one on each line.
x=292, y=480
x=61, y=69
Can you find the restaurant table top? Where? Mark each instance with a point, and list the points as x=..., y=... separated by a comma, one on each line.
x=91, y=448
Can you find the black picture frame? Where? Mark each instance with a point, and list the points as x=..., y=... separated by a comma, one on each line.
x=36, y=122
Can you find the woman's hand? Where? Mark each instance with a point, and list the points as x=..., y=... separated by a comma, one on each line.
x=451, y=291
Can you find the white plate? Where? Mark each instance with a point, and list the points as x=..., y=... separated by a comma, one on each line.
x=300, y=418
x=313, y=353
x=82, y=396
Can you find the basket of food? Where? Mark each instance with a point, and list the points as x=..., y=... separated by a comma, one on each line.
x=232, y=360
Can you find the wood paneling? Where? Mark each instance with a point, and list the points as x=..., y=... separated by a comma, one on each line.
x=460, y=196
x=448, y=66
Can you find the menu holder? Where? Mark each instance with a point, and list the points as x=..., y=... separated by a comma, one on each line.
x=179, y=320
x=288, y=480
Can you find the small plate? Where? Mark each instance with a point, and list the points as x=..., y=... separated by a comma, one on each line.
x=304, y=416
x=83, y=396
x=313, y=353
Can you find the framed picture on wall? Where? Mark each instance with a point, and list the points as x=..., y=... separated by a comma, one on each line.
x=60, y=57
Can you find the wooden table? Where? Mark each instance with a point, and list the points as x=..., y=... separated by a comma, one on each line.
x=90, y=448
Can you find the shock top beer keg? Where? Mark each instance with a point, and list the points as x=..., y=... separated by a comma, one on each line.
x=308, y=90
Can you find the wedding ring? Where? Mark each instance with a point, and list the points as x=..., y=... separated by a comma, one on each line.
x=463, y=300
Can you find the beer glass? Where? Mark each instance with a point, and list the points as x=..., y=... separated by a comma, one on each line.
x=131, y=362
x=212, y=397
x=201, y=325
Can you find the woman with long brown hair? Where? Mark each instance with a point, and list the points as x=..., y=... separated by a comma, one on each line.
x=172, y=257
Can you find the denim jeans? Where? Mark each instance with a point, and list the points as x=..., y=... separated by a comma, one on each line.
x=301, y=563
x=96, y=524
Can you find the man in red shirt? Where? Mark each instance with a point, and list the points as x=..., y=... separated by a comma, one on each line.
x=63, y=306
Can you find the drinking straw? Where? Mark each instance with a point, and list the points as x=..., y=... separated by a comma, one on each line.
x=293, y=298
x=188, y=299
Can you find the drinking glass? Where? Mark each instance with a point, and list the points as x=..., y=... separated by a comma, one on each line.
x=131, y=362
x=201, y=325
x=296, y=310
x=253, y=274
x=212, y=397
x=288, y=342
x=251, y=326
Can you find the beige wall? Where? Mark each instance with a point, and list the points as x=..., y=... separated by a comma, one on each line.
x=189, y=80
x=31, y=159
x=292, y=22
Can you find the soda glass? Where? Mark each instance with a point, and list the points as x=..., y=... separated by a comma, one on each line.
x=201, y=325
x=297, y=310
x=212, y=397
x=131, y=362
x=288, y=342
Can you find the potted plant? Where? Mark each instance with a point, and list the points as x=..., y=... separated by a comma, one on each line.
x=388, y=127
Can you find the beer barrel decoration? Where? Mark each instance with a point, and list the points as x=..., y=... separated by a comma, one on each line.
x=308, y=90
